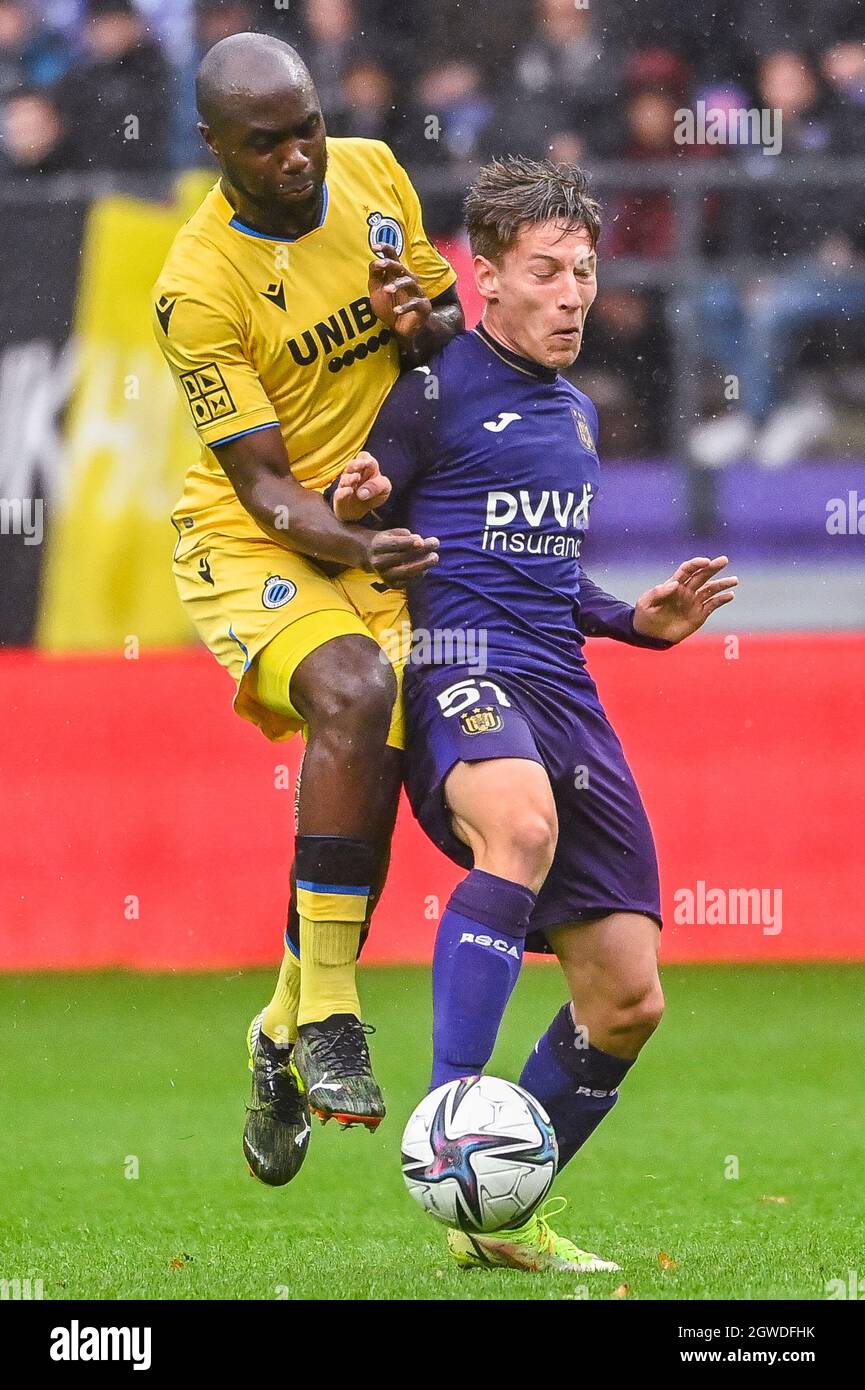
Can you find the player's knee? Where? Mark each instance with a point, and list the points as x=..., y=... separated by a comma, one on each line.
x=635, y=1013
x=359, y=704
x=529, y=837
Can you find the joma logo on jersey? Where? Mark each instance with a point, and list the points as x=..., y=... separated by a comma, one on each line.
x=334, y=332
x=485, y=719
x=505, y=507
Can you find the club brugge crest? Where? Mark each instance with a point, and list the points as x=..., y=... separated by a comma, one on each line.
x=583, y=430
x=483, y=719
x=385, y=234
x=277, y=591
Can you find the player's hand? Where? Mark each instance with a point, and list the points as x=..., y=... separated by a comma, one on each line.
x=397, y=298
x=399, y=556
x=361, y=488
x=680, y=606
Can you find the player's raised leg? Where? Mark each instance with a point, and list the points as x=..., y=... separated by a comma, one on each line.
x=503, y=809
x=345, y=692
x=576, y=1068
x=350, y=786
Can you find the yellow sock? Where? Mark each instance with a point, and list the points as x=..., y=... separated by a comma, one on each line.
x=333, y=876
x=330, y=926
x=279, y=1021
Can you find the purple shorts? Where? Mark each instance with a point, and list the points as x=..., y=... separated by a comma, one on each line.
x=605, y=859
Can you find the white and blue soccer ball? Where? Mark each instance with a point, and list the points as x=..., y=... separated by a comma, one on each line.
x=479, y=1154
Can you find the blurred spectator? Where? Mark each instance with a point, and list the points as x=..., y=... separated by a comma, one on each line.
x=451, y=116
x=449, y=122
x=843, y=70
x=487, y=36
x=31, y=51
x=212, y=20
x=171, y=22
x=331, y=32
x=366, y=108
x=644, y=223
x=711, y=39
x=799, y=25
x=449, y=84
x=564, y=84
x=33, y=138
x=117, y=103
x=815, y=239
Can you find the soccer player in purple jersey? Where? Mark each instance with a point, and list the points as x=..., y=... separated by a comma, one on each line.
x=512, y=766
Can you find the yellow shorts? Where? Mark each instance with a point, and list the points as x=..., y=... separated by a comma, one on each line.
x=240, y=593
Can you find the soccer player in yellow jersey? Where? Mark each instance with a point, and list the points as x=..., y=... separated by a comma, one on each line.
x=287, y=306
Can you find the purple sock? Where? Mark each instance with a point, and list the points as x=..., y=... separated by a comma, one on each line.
x=576, y=1083
x=477, y=958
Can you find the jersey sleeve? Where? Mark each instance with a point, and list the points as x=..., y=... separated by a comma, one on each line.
x=212, y=369
x=600, y=615
x=402, y=440
x=432, y=271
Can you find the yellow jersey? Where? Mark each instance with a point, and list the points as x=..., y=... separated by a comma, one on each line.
x=261, y=330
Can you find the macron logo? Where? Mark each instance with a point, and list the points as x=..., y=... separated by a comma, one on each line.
x=506, y=417
x=496, y=943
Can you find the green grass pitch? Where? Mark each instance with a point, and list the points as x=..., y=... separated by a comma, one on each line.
x=754, y=1068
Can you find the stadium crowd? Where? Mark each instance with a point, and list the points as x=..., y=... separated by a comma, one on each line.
x=450, y=83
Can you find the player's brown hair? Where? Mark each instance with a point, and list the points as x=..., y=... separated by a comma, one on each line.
x=514, y=192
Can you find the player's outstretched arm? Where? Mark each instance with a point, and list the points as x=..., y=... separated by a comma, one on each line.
x=300, y=519
x=677, y=608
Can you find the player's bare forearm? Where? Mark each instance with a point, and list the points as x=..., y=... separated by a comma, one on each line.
x=258, y=468
x=301, y=520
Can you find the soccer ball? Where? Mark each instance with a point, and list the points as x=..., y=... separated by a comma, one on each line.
x=479, y=1154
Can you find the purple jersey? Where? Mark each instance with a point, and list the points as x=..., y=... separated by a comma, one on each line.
x=497, y=456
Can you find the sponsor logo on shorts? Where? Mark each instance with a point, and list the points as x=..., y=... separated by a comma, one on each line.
x=495, y=942
x=483, y=719
x=277, y=592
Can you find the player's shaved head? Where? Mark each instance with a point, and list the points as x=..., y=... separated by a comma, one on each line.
x=261, y=119
x=239, y=72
